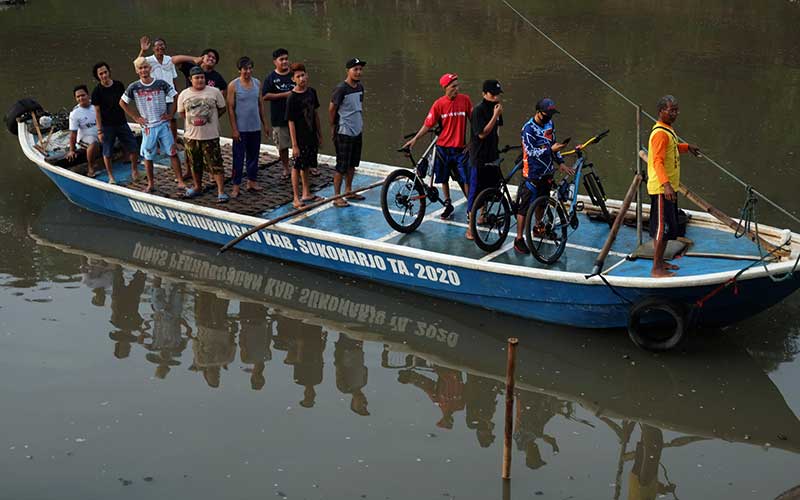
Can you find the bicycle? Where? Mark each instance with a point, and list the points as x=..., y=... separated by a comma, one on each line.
x=405, y=195
x=547, y=237
x=490, y=218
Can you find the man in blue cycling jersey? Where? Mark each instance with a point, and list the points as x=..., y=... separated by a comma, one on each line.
x=540, y=155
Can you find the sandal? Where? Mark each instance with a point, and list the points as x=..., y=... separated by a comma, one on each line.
x=340, y=203
x=222, y=198
x=357, y=197
x=191, y=193
x=313, y=199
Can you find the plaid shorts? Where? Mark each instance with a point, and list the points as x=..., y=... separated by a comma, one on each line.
x=348, y=152
x=201, y=155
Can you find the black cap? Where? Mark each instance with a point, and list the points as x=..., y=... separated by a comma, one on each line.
x=493, y=87
x=352, y=63
x=196, y=70
x=547, y=106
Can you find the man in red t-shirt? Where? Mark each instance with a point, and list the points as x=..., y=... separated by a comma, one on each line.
x=451, y=111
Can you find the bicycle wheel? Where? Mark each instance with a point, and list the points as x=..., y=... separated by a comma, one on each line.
x=597, y=196
x=489, y=219
x=546, y=229
x=403, y=201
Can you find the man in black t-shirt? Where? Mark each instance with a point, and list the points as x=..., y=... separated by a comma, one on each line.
x=111, y=123
x=276, y=89
x=487, y=118
x=303, y=118
x=207, y=61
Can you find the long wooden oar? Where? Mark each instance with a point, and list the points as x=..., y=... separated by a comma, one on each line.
x=598, y=263
x=289, y=215
x=723, y=217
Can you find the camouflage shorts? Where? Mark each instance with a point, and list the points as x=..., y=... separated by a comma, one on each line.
x=204, y=155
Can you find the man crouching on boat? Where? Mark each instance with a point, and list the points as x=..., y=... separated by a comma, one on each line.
x=83, y=129
x=201, y=106
x=155, y=108
x=663, y=177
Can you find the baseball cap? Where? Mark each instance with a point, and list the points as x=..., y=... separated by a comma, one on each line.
x=546, y=105
x=196, y=70
x=352, y=63
x=493, y=87
x=447, y=79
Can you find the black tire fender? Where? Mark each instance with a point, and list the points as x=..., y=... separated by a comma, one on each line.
x=638, y=330
x=18, y=110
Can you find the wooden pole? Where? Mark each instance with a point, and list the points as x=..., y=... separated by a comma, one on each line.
x=722, y=217
x=289, y=215
x=509, y=430
x=38, y=133
x=598, y=263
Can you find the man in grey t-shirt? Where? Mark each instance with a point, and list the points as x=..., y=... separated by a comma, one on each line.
x=347, y=124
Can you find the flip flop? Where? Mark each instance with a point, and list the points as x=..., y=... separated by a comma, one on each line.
x=191, y=193
x=672, y=267
x=298, y=207
x=254, y=189
x=93, y=174
x=313, y=199
x=356, y=197
x=223, y=198
x=340, y=203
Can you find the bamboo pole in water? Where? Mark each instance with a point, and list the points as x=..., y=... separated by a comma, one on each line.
x=509, y=430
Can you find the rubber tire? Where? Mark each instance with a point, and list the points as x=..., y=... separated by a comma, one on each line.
x=528, y=229
x=638, y=333
x=596, y=194
x=418, y=187
x=490, y=195
x=20, y=108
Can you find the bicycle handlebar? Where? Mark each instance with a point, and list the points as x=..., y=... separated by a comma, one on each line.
x=593, y=140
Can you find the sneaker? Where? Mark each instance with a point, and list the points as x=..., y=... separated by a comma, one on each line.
x=520, y=246
x=448, y=209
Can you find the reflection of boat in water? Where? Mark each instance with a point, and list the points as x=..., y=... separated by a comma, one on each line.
x=715, y=392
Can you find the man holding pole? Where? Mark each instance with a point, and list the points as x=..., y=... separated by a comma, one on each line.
x=663, y=179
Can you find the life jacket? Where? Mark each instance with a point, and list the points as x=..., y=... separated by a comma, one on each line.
x=672, y=161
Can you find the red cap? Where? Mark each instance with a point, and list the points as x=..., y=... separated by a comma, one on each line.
x=447, y=79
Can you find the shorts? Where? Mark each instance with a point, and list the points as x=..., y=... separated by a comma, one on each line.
x=451, y=161
x=526, y=195
x=281, y=137
x=155, y=137
x=663, y=217
x=203, y=155
x=348, y=152
x=86, y=141
x=307, y=159
x=122, y=132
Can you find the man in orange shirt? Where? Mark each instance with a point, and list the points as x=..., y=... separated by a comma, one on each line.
x=663, y=178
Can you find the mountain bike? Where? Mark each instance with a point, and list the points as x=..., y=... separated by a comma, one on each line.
x=547, y=220
x=405, y=194
x=490, y=218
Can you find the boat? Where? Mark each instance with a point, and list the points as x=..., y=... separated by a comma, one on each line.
x=716, y=391
x=726, y=281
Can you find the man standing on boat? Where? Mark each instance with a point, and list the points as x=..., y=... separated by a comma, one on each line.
x=540, y=155
x=663, y=178
x=111, y=123
x=162, y=68
x=451, y=111
x=201, y=107
x=303, y=117
x=83, y=128
x=245, y=112
x=277, y=87
x=347, y=124
x=155, y=108
x=487, y=118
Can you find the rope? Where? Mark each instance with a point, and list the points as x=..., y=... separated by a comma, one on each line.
x=648, y=115
x=610, y=287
